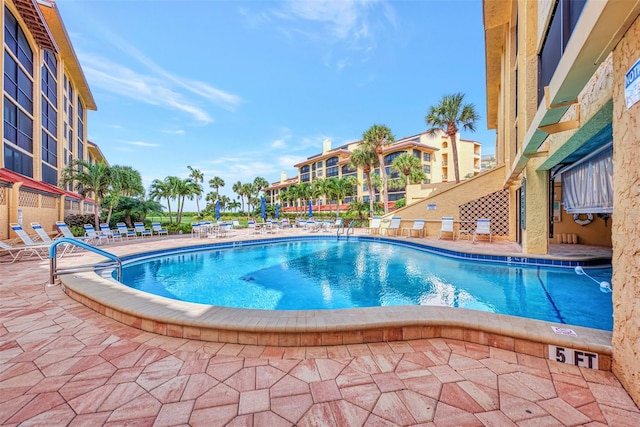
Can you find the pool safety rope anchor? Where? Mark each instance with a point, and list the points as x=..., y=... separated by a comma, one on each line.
x=583, y=222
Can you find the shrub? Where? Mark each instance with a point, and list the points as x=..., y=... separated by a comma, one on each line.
x=78, y=220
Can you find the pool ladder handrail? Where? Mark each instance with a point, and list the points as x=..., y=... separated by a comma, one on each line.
x=114, y=261
x=350, y=228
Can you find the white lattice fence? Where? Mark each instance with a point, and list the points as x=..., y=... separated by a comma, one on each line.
x=48, y=202
x=494, y=206
x=27, y=199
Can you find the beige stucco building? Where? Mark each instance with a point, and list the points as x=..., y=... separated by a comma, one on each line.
x=46, y=98
x=434, y=152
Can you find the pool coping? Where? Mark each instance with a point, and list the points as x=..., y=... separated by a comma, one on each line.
x=328, y=327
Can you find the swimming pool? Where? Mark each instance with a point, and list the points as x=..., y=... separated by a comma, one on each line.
x=330, y=274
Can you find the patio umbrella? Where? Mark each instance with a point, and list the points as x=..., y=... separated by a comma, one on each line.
x=264, y=209
x=217, y=210
x=277, y=209
x=310, y=209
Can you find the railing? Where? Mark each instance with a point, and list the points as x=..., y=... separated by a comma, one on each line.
x=340, y=227
x=350, y=228
x=114, y=261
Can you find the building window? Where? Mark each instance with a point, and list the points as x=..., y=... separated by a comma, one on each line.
x=16, y=41
x=426, y=157
x=18, y=161
x=389, y=158
x=563, y=22
x=49, y=149
x=427, y=169
x=332, y=167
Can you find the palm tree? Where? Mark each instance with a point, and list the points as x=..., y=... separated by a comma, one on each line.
x=367, y=160
x=447, y=117
x=259, y=184
x=88, y=178
x=341, y=188
x=197, y=176
x=216, y=182
x=125, y=181
x=234, y=204
x=161, y=189
x=408, y=165
x=182, y=189
x=376, y=138
x=237, y=188
x=319, y=189
x=247, y=190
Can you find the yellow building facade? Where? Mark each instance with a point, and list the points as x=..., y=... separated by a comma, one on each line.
x=434, y=152
x=563, y=93
x=45, y=102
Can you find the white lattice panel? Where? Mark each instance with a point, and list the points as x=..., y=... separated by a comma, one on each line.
x=27, y=200
x=494, y=206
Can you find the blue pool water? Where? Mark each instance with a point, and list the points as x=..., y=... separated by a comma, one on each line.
x=327, y=274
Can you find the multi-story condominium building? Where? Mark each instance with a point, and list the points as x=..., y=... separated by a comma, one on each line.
x=434, y=153
x=45, y=103
x=563, y=93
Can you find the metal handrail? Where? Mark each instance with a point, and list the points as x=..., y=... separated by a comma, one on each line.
x=53, y=264
x=350, y=228
x=340, y=227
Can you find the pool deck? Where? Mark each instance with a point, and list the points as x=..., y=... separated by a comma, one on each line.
x=62, y=363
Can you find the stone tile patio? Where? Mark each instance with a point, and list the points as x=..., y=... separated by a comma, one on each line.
x=64, y=364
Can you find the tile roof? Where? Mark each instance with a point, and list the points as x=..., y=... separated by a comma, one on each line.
x=12, y=177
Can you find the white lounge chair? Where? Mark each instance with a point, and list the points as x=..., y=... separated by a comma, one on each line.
x=106, y=230
x=483, y=228
x=374, y=227
x=46, y=239
x=141, y=230
x=417, y=229
x=41, y=249
x=447, y=227
x=157, y=229
x=124, y=231
x=394, y=227
x=96, y=237
x=66, y=232
x=15, y=252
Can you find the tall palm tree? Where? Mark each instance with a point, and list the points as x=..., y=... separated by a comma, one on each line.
x=341, y=188
x=216, y=182
x=319, y=189
x=259, y=184
x=197, y=176
x=376, y=138
x=161, y=189
x=367, y=160
x=237, y=188
x=247, y=190
x=125, y=181
x=448, y=117
x=88, y=179
x=182, y=189
x=408, y=165
x=233, y=204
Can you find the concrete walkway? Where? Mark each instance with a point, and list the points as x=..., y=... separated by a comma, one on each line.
x=64, y=364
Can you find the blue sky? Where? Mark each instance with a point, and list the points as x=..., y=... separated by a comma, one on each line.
x=242, y=89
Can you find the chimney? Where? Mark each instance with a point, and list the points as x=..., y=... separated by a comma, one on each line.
x=326, y=146
x=283, y=176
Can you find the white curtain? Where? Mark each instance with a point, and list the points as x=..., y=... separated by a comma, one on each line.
x=588, y=187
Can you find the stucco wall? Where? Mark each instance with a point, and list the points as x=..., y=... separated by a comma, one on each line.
x=4, y=213
x=626, y=220
x=446, y=202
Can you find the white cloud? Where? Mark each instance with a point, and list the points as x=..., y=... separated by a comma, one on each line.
x=153, y=85
x=174, y=132
x=348, y=25
x=278, y=143
x=143, y=144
